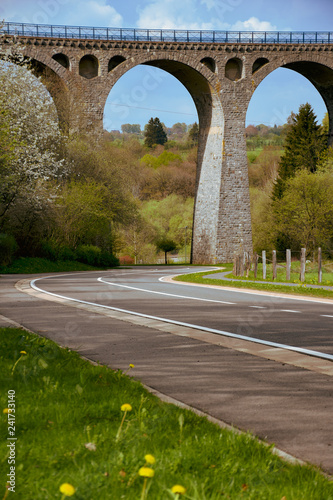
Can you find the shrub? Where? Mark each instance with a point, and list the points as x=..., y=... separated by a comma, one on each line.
x=126, y=260
x=89, y=254
x=8, y=247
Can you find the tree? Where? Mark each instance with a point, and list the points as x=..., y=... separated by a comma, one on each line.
x=166, y=245
x=193, y=134
x=304, y=214
x=29, y=153
x=304, y=144
x=128, y=128
x=154, y=133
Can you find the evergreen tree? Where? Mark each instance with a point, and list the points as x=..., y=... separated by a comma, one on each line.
x=304, y=144
x=154, y=133
x=194, y=133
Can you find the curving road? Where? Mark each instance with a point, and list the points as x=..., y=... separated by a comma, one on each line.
x=257, y=361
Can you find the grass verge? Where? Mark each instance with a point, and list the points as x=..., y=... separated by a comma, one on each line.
x=68, y=428
x=296, y=289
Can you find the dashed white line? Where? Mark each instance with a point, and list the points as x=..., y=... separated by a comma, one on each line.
x=326, y=316
x=258, y=307
x=289, y=311
x=101, y=280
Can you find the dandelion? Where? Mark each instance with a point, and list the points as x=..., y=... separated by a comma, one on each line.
x=125, y=408
x=67, y=490
x=7, y=410
x=150, y=459
x=147, y=473
x=178, y=489
x=130, y=366
x=23, y=353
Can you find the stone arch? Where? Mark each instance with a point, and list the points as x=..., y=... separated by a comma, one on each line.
x=234, y=69
x=52, y=76
x=259, y=63
x=89, y=66
x=62, y=59
x=115, y=61
x=204, y=88
x=315, y=69
x=210, y=63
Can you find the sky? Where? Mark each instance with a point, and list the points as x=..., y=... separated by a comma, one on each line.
x=134, y=100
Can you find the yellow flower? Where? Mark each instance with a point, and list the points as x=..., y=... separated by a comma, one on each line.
x=178, y=489
x=150, y=459
x=146, y=472
x=131, y=365
x=67, y=489
x=126, y=407
x=23, y=352
x=7, y=410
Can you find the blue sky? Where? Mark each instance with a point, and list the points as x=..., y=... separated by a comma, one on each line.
x=133, y=100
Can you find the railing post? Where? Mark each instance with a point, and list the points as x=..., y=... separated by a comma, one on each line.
x=121, y=34
x=65, y=31
x=36, y=29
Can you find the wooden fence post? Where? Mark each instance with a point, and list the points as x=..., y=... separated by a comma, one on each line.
x=274, y=264
x=302, y=275
x=234, y=269
x=255, y=262
x=288, y=262
x=264, y=264
x=241, y=266
x=320, y=273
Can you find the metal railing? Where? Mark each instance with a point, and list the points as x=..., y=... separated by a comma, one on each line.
x=167, y=35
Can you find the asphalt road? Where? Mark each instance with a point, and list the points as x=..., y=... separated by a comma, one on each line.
x=281, y=395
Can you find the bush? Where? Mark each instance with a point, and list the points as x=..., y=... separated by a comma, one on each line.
x=53, y=251
x=8, y=247
x=94, y=256
x=89, y=254
x=126, y=260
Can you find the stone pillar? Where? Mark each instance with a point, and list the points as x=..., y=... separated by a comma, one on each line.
x=222, y=221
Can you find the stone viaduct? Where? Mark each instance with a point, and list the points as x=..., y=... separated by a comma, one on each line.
x=221, y=78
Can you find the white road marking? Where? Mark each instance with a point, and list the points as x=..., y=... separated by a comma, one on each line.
x=189, y=325
x=258, y=307
x=289, y=311
x=164, y=293
x=326, y=316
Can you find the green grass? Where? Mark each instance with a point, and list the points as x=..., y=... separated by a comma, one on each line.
x=238, y=282
x=63, y=403
x=31, y=265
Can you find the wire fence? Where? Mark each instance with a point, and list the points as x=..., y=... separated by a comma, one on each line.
x=167, y=35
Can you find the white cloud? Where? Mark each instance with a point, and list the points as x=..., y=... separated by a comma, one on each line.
x=88, y=12
x=253, y=24
x=173, y=14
